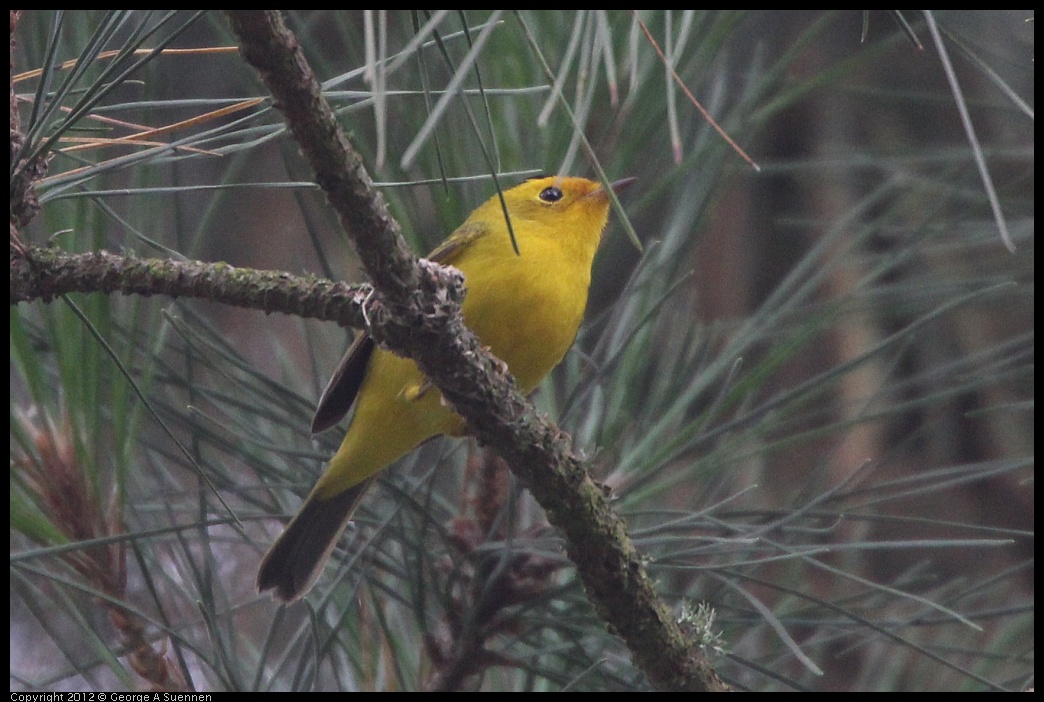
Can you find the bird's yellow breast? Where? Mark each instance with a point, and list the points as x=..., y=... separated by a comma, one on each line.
x=525, y=307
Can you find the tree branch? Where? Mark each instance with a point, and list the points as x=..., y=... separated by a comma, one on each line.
x=470, y=378
x=42, y=274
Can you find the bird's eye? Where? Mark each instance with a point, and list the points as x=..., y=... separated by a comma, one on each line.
x=551, y=194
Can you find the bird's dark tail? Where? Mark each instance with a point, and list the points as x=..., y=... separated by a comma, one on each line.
x=294, y=561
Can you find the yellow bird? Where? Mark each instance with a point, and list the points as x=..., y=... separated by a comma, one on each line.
x=525, y=306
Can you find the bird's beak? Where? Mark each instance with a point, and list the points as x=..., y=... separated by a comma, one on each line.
x=622, y=184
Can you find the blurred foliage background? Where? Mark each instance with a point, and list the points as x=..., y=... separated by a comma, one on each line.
x=811, y=394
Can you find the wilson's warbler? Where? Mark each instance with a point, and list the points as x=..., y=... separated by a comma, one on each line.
x=525, y=306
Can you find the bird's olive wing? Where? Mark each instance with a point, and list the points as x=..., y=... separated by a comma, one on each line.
x=340, y=392
x=450, y=251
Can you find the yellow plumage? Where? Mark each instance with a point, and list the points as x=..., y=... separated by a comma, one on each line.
x=525, y=306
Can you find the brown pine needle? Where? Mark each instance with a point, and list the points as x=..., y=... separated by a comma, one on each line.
x=152, y=133
x=72, y=63
x=692, y=98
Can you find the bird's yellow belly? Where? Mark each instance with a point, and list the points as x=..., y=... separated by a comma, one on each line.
x=526, y=320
